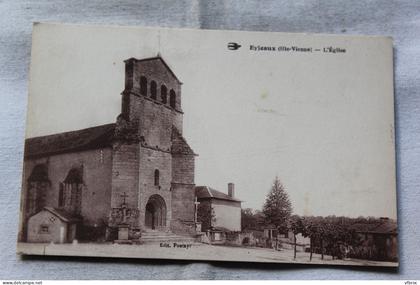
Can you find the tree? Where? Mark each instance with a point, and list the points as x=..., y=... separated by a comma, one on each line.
x=311, y=231
x=260, y=219
x=296, y=226
x=323, y=231
x=248, y=219
x=206, y=215
x=277, y=207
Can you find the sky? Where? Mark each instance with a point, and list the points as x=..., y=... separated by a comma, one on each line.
x=322, y=122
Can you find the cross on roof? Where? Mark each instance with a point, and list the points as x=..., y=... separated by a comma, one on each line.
x=124, y=195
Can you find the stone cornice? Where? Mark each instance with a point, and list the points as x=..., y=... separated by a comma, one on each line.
x=133, y=92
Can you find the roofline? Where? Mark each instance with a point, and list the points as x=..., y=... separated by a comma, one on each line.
x=153, y=58
x=376, y=232
x=51, y=210
x=221, y=199
x=67, y=150
x=217, y=198
x=208, y=191
x=54, y=212
x=62, y=133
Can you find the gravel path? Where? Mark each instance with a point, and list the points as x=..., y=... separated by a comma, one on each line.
x=194, y=251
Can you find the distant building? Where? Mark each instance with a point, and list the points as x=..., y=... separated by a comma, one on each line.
x=218, y=211
x=376, y=241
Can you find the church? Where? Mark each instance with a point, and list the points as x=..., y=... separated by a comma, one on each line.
x=118, y=180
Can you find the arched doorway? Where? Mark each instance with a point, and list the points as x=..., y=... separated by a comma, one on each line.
x=155, y=217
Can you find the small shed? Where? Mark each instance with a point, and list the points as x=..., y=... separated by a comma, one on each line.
x=52, y=225
x=270, y=232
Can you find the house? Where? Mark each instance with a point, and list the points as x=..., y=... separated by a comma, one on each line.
x=217, y=209
x=219, y=214
x=376, y=241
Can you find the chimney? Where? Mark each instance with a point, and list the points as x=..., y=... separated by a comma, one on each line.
x=231, y=190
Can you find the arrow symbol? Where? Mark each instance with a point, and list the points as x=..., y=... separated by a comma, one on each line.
x=233, y=46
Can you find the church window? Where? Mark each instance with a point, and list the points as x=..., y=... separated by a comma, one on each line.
x=143, y=85
x=38, y=184
x=156, y=177
x=153, y=90
x=71, y=189
x=163, y=94
x=172, y=98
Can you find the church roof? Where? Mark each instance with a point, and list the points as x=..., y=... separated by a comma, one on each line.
x=205, y=192
x=62, y=215
x=90, y=138
x=179, y=144
x=157, y=58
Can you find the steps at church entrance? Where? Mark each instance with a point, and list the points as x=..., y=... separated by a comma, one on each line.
x=151, y=236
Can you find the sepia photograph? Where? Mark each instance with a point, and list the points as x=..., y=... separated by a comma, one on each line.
x=211, y=145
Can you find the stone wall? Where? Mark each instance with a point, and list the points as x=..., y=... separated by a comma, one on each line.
x=240, y=239
x=183, y=202
x=152, y=70
x=155, y=124
x=155, y=119
x=125, y=173
x=144, y=108
x=151, y=160
x=183, y=228
x=183, y=195
x=96, y=191
x=183, y=168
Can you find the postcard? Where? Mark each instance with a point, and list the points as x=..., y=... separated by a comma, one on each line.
x=209, y=145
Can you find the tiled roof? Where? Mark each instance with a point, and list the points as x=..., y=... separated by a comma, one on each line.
x=62, y=215
x=159, y=58
x=379, y=228
x=203, y=192
x=90, y=138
